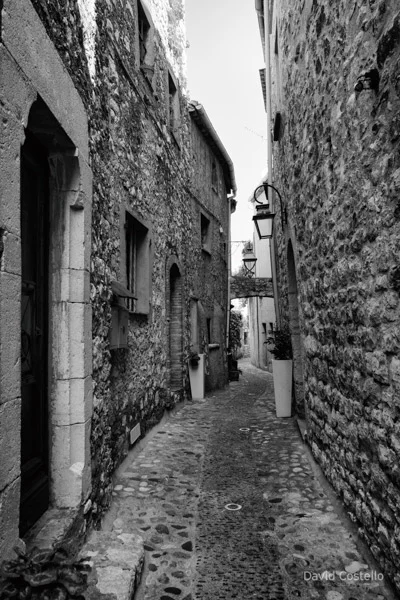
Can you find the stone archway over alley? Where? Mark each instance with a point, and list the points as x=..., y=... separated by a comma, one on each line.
x=249, y=287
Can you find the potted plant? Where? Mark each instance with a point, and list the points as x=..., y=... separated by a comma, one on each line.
x=194, y=359
x=235, y=329
x=280, y=346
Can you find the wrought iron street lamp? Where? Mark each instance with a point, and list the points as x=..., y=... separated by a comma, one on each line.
x=249, y=262
x=264, y=218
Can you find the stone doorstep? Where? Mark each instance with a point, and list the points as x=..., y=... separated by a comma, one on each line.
x=118, y=562
x=56, y=526
x=117, y=558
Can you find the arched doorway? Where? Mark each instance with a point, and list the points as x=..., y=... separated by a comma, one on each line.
x=295, y=331
x=55, y=320
x=34, y=330
x=175, y=329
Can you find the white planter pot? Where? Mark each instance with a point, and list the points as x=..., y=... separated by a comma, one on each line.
x=282, y=372
x=196, y=378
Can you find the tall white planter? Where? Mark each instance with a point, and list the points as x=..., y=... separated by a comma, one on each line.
x=282, y=373
x=196, y=378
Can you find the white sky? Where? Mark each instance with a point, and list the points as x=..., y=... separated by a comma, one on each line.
x=224, y=57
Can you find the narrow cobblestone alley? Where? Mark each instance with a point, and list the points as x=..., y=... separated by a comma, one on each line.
x=230, y=506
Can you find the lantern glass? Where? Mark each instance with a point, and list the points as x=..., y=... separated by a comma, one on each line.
x=249, y=261
x=264, y=221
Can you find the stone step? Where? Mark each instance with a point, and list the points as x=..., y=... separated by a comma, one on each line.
x=118, y=561
x=57, y=527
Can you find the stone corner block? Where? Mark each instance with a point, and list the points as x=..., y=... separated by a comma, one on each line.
x=10, y=441
x=70, y=465
x=71, y=401
x=10, y=336
x=9, y=518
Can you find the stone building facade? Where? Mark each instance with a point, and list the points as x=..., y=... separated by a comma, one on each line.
x=114, y=225
x=336, y=132
x=209, y=264
x=45, y=339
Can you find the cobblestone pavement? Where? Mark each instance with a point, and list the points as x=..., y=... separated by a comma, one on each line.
x=230, y=506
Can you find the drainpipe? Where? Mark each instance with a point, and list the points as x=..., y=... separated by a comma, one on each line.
x=258, y=331
x=267, y=55
x=262, y=8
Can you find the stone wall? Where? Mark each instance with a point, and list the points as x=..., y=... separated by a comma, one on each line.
x=337, y=165
x=38, y=99
x=208, y=268
x=144, y=170
x=248, y=287
x=143, y=165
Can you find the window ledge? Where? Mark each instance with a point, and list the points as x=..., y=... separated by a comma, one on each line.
x=121, y=291
x=138, y=313
x=213, y=346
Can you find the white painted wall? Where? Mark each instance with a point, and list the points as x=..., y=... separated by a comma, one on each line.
x=261, y=310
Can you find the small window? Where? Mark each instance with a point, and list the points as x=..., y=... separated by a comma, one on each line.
x=137, y=264
x=173, y=107
x=144, y=30
x=145, y=44
x=208, y=323
x=205, y=233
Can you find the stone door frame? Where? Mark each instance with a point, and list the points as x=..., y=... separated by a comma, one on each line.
x=32, y=70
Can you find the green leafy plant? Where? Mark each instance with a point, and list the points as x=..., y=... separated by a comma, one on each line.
x=235, y=327
x=43, y=575
x=194, y=359
x=280, y=344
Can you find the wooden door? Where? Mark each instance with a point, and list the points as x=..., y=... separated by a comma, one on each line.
x=176, y=330
x=34, y=333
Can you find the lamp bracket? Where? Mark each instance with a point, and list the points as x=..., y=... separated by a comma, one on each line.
x=264, y=187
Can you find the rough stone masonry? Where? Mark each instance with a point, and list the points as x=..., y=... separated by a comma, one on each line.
x=145, y=176
x=336, y=84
